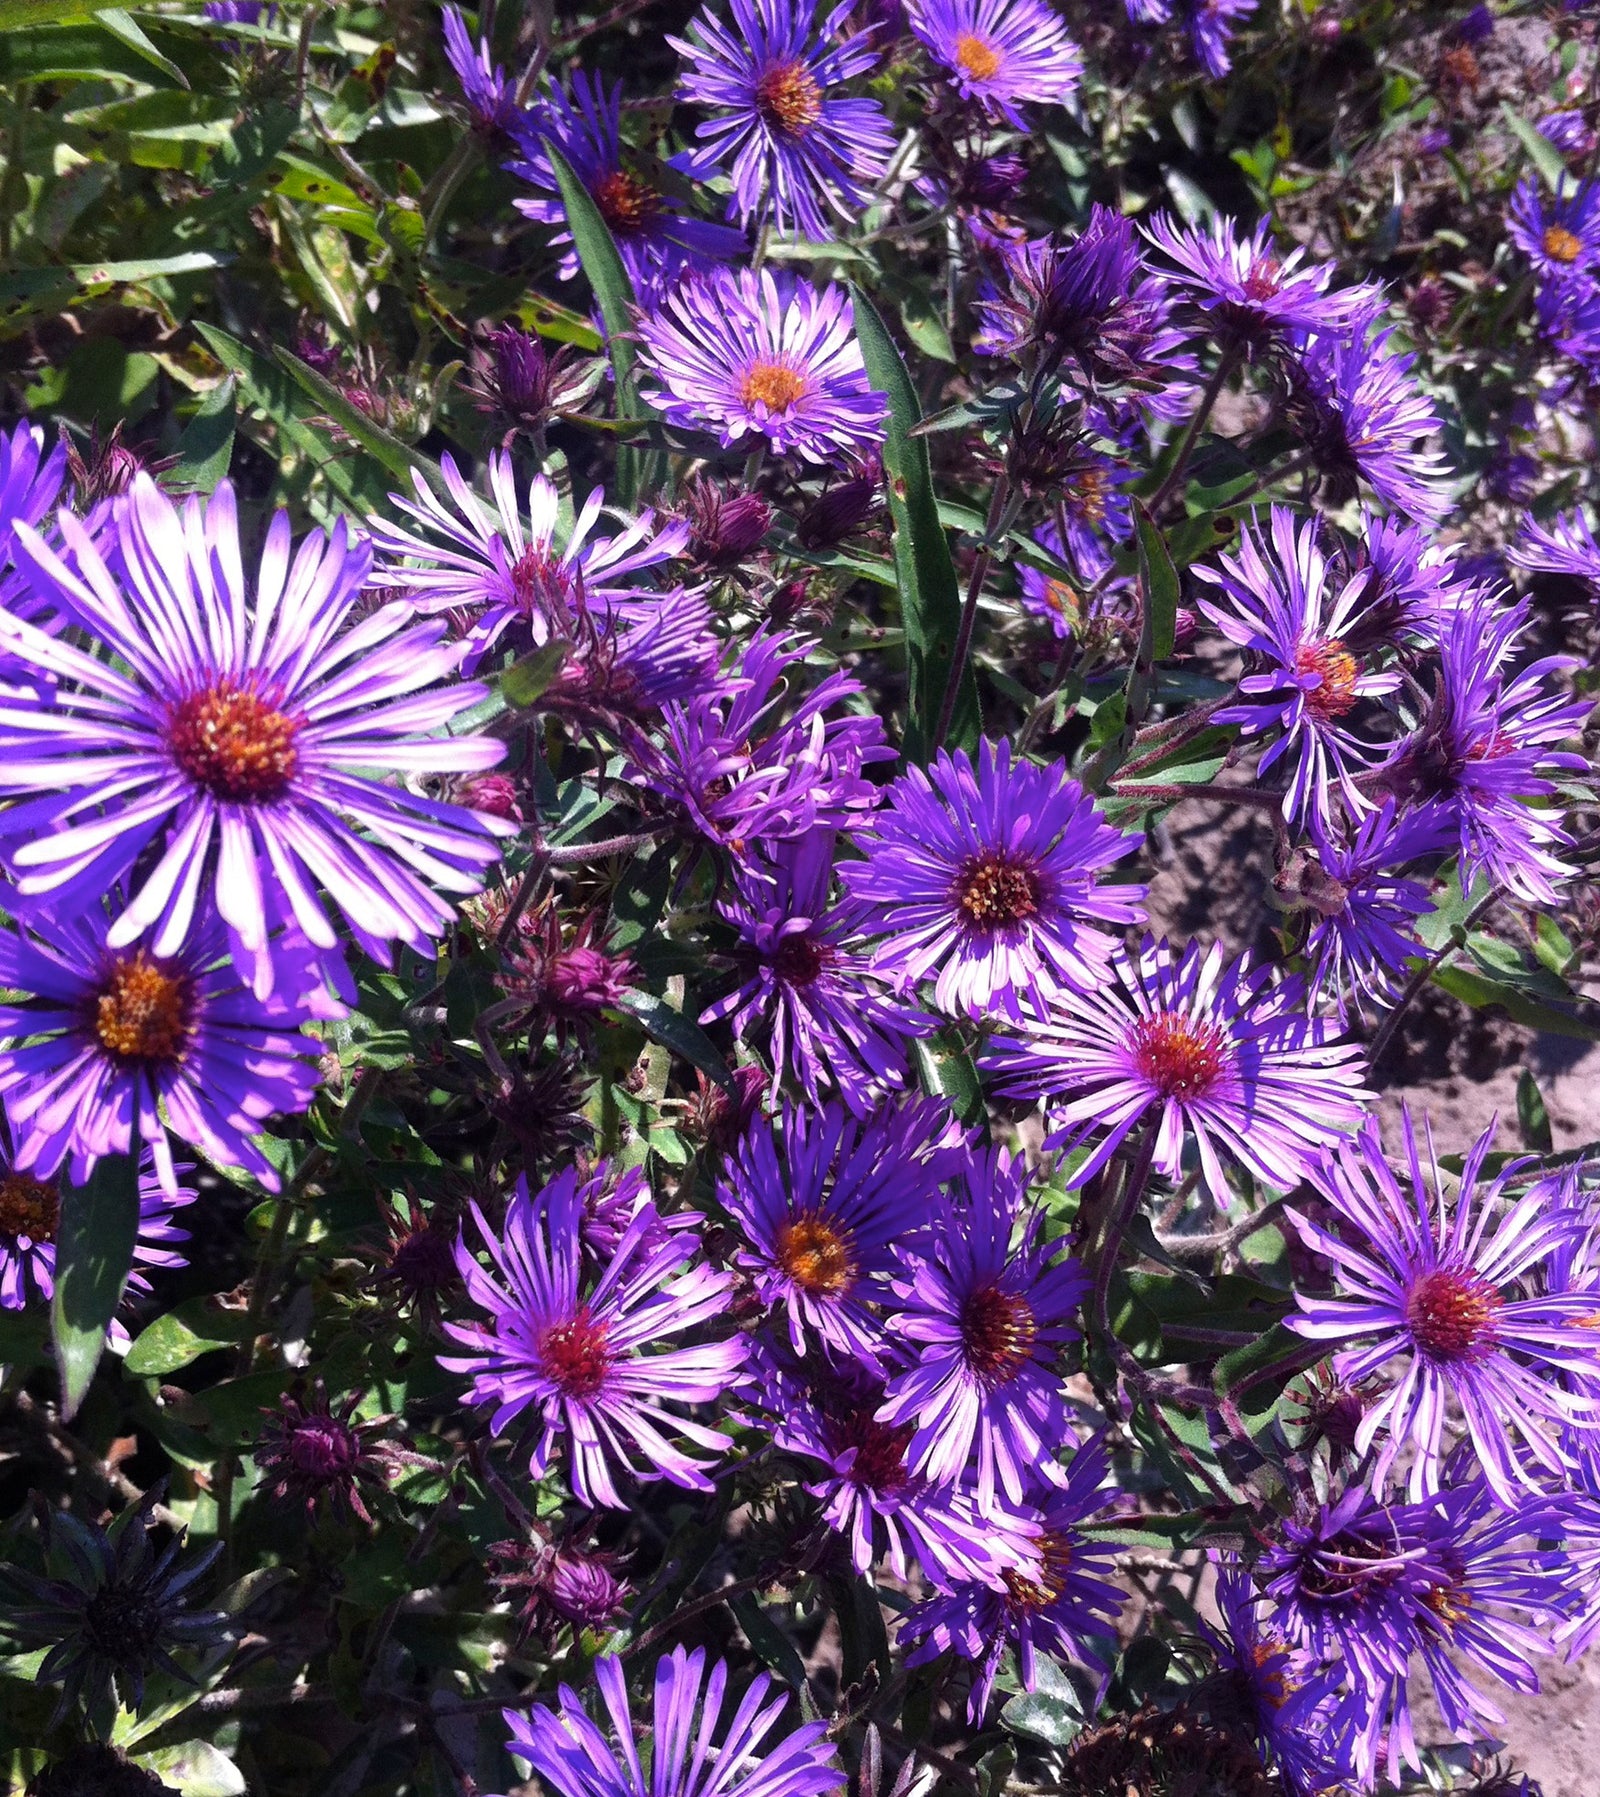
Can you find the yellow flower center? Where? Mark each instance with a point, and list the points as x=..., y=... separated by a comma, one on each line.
x=976, y=56
x=773, y=385
x=788, y=98
x=1560, y=244
x=143, y=1011
x=234, y=743
x=816, y=1256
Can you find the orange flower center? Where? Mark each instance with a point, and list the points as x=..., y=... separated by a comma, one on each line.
x=576, y=1356
x=1339, y=670
x=998, y=1330
x=773, y=385
x=1452, y=1315
x=1180, y=1057
x=626, y=202
x=144, y=1010
x=816, y=1256
x=234, y=743
x=1452, y=1604
x=28, y=1207
x=976, y=57
x=788, y=98
x=1089, y=488
x=1560, y=244
x=995, y=889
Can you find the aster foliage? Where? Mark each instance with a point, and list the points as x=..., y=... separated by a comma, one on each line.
x=798, y=952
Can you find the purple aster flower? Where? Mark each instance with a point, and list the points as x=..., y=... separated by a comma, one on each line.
x=1413, y=584
x=655, y=237
x=1048, y=596
x=30, y=1214
x=584, y=1352
x=1433, y=1301
x=1358, y=409
x=696, y=1750
x=1484, y=746
x=1294, y=1707
x=831, y=1021
x=1251, y=297
x=752, y=355
x=1212, y=24
x=240, y=12
x=820, y=1220
x=987, y=878
x=1569, y=131
x=1094, y=508
x=228, y=732
x=1067, y=1596
x=30, y=484
x=792, y=143
x=120, y=1041
x=750, y=770
x=982, y=1318
x=500, y=570
x=1561, y=239
x=829, y=1415
x=1569, y=319
x=1566, y=545
x=1281, y=602
x=490, y=94
x=999, y=54
x=1365, y=910
x=1222, y=1053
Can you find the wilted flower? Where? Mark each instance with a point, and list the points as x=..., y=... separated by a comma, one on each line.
x=558, y=1581
x=311, y=1454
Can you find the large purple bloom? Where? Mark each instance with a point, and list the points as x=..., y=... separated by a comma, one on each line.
x=989, y=879
x=748, y=768
x=1357, y=407
x=655, y=236
x=820, y=1217
x=1067, y=1596
x=1249, y=295
x=827, y=1415
x=1432, y=1297
x=1281, y=602
x=1222, y=1053
x=584, y=1353
x=999, y=53
x=831, y=1020
x=695, y=1750
x=794, y=146
x=120, y=1041
x=233, y=727
x=982, y=1314
x=761, y=356
x=1561, y=240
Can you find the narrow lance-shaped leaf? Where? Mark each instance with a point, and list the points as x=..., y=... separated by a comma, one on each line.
x=98, y=1226
x=613, y=291
x=930, y=601
x=205, y=450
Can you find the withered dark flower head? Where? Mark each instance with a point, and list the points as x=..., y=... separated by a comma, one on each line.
x=315, y=1455
x=92, y=1770
x=840, y=512
x=419, y=1264
x=544, y=1110
x=112, y=1608
x=1165, y=1753
x=567, y=982
x=716, y=1117
x=551, y=1582
x=724, y=525
x=107, y=469
x=519, y=381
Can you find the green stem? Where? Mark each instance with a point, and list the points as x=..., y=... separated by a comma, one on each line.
x=1226, y=363
x=969, y=612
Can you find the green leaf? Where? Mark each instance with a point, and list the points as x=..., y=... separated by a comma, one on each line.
x=613, y=292
x=947, y=1069
x=1533, y=1118
x=1543, y=154
x=526, y=680
x=205, y=450
x=94, y=1252
x=1478, y=989
x=17, y=15
x=181, y=1336
x=1053, y=1712
x=1158, y=583
x=195, y=1769
x=770, y=1643
x=149, y=268
x=679, y=1033
x=125, y=29
x=930, y=601
x=382, y=445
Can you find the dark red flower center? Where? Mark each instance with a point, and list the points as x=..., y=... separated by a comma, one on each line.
x=540, y=582
x=1049, y=1578
x=144, y=1009
x=997, y=888
x=323, y=1447
x=626, y=201
x=1264, y=279
x=789, y=99
x=880, y=1462
x=30, y=1207
x=799, y=959
x=1180, y=1056
x=1451, y=1314
x=1339, y=671
x=576, y=1356
x=998, y=1330
x=235, y=743
x=816, y=1256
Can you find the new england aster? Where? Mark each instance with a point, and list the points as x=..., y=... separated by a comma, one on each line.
x=583, y=1352
x=119, y=1042
x=981, y=1315
x=989, y=879
x=1561, y=239
x=1566, y=545
x=792, y=144
x=491, y=96
x=762, y=356
x=1434, y=1295
x=697, y=1749
x=233, y=726
x=999, y=53
x=1222, y=1053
